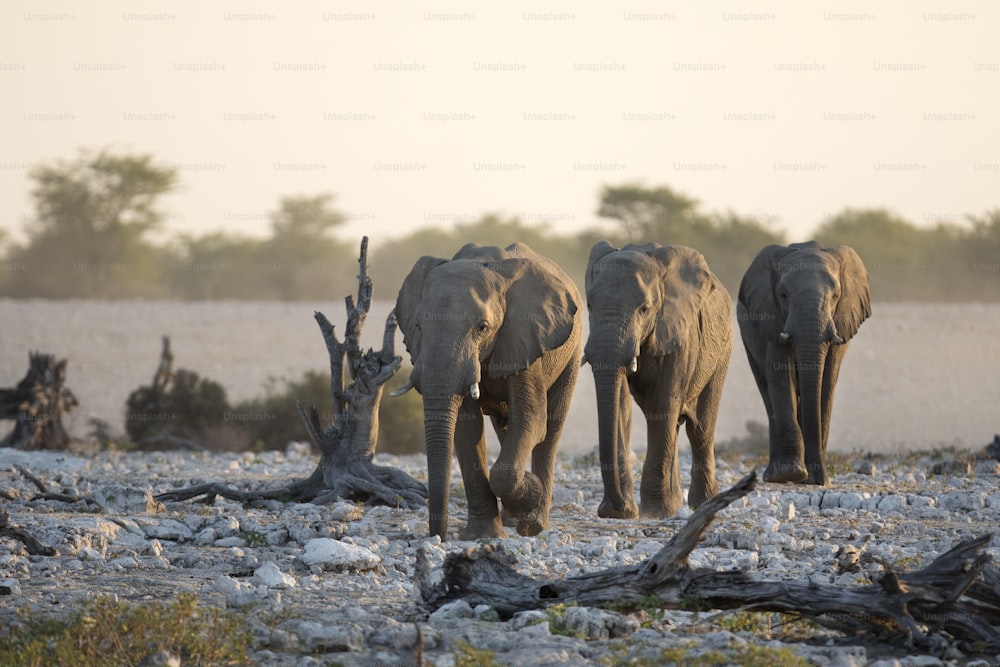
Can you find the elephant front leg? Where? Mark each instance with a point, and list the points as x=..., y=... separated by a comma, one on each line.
x=660, y=489
x=470, y=447
x=524, y=495
x=786, y=463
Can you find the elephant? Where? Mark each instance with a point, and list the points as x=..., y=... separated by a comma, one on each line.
x=798, y=307
x=661, y=333
x=494, y=332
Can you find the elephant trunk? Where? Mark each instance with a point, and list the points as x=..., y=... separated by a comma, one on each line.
x=440, y=417
x=614, y=424
x=813, y=333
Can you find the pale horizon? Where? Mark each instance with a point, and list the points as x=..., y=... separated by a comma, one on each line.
x=415, y=117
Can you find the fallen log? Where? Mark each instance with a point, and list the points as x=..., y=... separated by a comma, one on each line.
x=954, y=600
x=37, y=405
x=347, y=443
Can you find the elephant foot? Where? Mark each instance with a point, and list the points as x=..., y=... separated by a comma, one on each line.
x=532, y=525
x=818, y=477
x=528, y=521
x=479, y=528
x=659, y=509
x=700, y=492
x=625, y=510
x=781, y=472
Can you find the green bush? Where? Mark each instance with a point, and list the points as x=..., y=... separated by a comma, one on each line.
x=274, y=421
x=107, y=632
x=401, y=419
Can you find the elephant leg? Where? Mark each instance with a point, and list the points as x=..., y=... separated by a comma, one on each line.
x=701, y=434
x=758, y=366
x=787, y=458
x=522, y=491
x=543, y=458
x=500, y=428
x=660, y=488
x=470, y=447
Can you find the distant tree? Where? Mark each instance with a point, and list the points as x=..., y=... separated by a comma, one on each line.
x=301, y=258
x=87, y=237
x=218, y=266
x=652, y=214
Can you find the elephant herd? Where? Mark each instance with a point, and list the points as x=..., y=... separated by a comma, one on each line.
x=499, y=332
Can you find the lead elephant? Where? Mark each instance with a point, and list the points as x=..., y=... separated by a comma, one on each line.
x=798, y=307
x=661, y=332
x=493, y=332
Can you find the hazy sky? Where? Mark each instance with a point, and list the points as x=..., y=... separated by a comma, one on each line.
x=419, y=114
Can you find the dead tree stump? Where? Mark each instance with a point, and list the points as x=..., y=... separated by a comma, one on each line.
x=347, y=444
x=37, y=405
x=954, y=600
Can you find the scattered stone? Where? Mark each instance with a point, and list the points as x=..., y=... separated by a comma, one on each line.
x=271, y=576
x=315, y=580
x=335, y=555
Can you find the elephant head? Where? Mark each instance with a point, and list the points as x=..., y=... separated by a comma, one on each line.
x=644, y=303
x=485, y=315
x=804, y=301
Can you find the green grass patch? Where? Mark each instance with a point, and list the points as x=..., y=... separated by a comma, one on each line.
x=107, y=632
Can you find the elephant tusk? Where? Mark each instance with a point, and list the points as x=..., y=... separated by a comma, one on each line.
x=474, y=390
x=783, y=338
x=399, y=391
x=634, y=366
x=837, y=340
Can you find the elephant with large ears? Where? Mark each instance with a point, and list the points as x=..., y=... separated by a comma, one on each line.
x=798, y=307
x=661, y=332
x=494, y=332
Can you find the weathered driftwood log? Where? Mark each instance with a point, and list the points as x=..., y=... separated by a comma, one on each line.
x=347, y=444
x=37, y=405
x=954, y=599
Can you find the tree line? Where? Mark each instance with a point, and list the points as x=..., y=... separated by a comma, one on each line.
x=90, y=237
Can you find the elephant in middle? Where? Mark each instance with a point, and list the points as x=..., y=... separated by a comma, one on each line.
x=661, y=333
x=494, y=332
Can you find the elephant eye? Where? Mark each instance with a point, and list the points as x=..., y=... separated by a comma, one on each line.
x=482, y=327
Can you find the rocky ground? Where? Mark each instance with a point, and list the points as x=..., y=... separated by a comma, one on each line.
x=335, y=584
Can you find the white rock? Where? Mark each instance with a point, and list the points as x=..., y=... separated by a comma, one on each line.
x=333, y=554
x=961, y=501
x=168, y=529
x=456, y=609
x=321, y=638
x=892, y=503
x=270, y=575
x=769, y=524
x=10, y=587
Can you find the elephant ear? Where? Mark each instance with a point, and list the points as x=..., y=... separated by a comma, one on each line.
x=411, y=295
x=757, y=292
x=542, y=307
x=687, y=281
x=854, y=306
x=600, y=250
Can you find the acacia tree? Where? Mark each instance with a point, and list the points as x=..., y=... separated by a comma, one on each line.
x=86, y=237
x=302, y=257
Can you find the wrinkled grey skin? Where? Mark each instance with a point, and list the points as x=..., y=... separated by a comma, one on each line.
x=505, y=324
x=798, y=307
x=660, y=332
